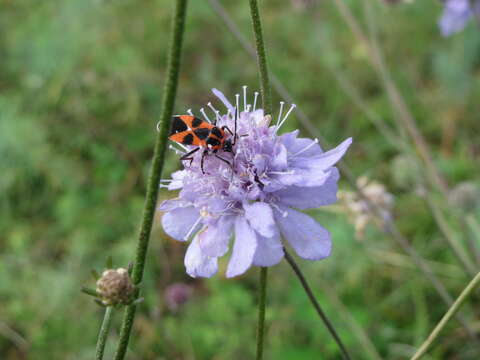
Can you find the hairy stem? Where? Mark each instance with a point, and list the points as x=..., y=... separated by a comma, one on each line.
x=261, y=58
x=267, y=108
x=261, y=312
x=102, y=336
x=446, y=318
x=168, y=100
x=316, y=305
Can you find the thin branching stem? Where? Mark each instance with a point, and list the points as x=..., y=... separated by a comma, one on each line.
x=261, y=312
x=446, y=318
x=168, y=100
x=261, y=57
x=316, y=305
x=266, y=94
x=103, y=335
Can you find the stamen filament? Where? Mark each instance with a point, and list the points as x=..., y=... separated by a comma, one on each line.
x=279, y=114
x=314, y=142
x=192, y=229
x=202, y=110
x=289, y=172
x=255, y=101
x=244, y=97
x=237, y=100
x=293, y=106
x=189, y=111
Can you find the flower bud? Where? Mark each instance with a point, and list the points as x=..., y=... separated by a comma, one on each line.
x=115, y=287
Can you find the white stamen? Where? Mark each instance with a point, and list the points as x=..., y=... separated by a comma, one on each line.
x=177, y=151
x=289, y=172
x=237, y=100
x=248, y=107
x=244, y=97
x=189, y=111
x=315, y=141
x=255, y=101
x=217, y=115
x=192, y=228
x=293, y=106
x=279, y=114
x=211, y=107
x=166, y=180
x=202, y=110
x=216, y=112
x=158, y=124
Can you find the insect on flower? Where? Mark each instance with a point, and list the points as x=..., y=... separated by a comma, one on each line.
x=257, y=198
x=190, y=130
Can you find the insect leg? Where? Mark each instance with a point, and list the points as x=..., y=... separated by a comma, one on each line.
x=205, y=152
x=224, y=160
x=188, y=156
x=226, y=128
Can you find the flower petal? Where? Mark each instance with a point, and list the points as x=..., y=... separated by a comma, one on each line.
x=214, y=240
x=243, y=249
x=456, y=14
x=223, y=99
x=309, y=240
x=179, y=222
x=311, y=197
x=260, y=217
x=197, y=263
x=269, y=250
x=326, y=160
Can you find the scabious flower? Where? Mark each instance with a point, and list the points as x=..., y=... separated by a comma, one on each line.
x=456, y=14
x=255, y=198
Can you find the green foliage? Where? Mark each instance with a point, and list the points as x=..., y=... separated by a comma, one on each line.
x=79, y=100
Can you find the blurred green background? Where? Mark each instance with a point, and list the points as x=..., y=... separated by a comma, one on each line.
x=80, y=85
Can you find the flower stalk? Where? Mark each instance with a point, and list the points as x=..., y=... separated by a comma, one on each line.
x=266, y=95
x=102, y=336
x=316, y=305
x=261, y=57
x=168, y=100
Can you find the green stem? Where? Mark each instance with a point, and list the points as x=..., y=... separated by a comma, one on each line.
x=446, y=318
x=316, y=305
x=267, y=108
x=102, y=336
x=261, y=58
x=261, y=312
x=169, y=93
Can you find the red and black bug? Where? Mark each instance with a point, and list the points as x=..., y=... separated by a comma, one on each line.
x=190, y=130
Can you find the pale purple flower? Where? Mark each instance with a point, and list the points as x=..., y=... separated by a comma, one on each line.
x=456, y=14
x=258, y=200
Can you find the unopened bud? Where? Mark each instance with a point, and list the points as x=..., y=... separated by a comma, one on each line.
x=115, y=287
